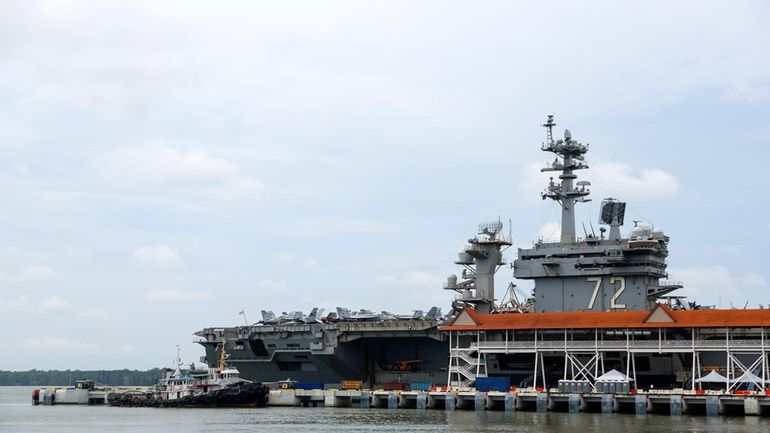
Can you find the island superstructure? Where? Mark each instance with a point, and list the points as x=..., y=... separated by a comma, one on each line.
x=602, y=302
x=593, y=273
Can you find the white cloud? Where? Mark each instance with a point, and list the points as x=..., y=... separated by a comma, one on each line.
x=56, y=343
x=270, y=284
x=55, y=303
x=753, y=280
x=34, y=271
x=411, y=279
x=19, y=304
x=532, y=181
x=157, y=256
x=608, y=179
x=715, y=285
x=359, y=132
x=175, y=295
x=622, y=180
x=311, y=265
x=283, y=257
x=342, y=225
x=158, y=165
x=124, y=348
x=750, y=92
x=549, y=232
x=30, y=272
x=422, y=279
x=92, y=313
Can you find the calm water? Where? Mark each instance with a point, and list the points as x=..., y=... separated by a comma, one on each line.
x=18, y=415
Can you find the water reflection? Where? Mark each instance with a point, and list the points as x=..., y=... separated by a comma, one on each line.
x=18, y=415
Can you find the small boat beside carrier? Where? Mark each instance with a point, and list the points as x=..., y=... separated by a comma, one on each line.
x=213, y=387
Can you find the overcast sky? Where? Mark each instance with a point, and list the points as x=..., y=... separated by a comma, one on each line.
x=165, y=164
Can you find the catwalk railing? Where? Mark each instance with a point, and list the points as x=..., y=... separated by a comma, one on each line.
x=649, y=346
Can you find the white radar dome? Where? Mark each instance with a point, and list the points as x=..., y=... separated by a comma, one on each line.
x=463, y=257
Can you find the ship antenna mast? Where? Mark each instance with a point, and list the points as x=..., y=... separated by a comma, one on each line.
x=178, y=361
x=549, y=124
x=222, y=355
x=565, y=193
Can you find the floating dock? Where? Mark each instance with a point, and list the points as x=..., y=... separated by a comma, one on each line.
x=653, y=402
x=85, y=392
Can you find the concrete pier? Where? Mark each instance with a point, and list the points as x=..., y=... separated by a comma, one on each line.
x=751, y=406
x=658, y=402
x=384, y=399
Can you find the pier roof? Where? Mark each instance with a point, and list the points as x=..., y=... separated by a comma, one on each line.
x=659, y=317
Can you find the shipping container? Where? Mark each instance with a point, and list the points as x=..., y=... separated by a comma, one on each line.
x=308, y=385
x=393, y=386
x=351, y=384
x=419, y=386
x=485, y=384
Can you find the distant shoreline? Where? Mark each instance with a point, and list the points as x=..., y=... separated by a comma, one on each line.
x=122, y=377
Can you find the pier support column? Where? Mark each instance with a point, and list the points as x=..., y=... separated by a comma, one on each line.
x=583, y=403
x=450, y=401
x=751, y=406
x=363, y=403
x=574, y=403
x=712, y=405
x=489, y=402
x=422, y=400
x=330, y=399
x=510, y=402
x=480, y=401
x=542, y=402
x=392, y=400
x=640, y=404
x=608, y=403
x=519, y=402
x=675, y=405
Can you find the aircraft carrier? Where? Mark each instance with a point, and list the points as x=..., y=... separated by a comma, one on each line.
x=375, y=348
x=595, y=272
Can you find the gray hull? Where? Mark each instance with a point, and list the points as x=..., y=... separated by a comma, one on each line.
x=374, y=353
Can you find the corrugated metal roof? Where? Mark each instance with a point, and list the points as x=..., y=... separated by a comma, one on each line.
x=615, y=319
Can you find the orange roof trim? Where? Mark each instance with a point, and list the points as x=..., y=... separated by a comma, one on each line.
x=656, y=318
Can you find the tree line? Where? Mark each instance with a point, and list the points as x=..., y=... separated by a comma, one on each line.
x=68, y=377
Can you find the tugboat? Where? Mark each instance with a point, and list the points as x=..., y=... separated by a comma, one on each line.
x=217, y=387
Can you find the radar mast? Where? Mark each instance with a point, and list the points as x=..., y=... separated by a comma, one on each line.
x=571, y=153
x=481, y=258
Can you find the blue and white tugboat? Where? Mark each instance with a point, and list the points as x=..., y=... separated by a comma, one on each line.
x=216, y=387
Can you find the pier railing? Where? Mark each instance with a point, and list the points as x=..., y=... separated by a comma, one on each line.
x=620, y=345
